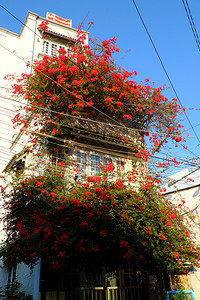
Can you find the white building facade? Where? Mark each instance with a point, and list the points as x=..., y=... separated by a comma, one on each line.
x=17, y=54
x=185, y=186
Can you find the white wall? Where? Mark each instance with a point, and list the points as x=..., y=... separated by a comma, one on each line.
x=29, y=278
x=19, y=49
x=192, y=199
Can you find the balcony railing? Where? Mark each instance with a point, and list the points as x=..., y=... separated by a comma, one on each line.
x=98, y=293
x=127, y=293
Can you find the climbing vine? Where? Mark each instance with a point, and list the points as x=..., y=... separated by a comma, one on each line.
x=113, y=218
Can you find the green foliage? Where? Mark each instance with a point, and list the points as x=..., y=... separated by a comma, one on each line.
x=13, y=290
x=181, y=295
x=106, y=220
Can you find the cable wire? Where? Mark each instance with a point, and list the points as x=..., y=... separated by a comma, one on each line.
x=94, y=121
x=191, y=21
x=50, y=77
x=162, y=64
x=94, y=107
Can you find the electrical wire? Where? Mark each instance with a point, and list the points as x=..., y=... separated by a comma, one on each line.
x=96, y=122
x=162, y=64
x=86, y=132
x=15, y=17
x=87, y=119
x=69, y=90
x=98, y=149
x=79, y=118
x=74, y=95
x=191, y=21
x=66, y=89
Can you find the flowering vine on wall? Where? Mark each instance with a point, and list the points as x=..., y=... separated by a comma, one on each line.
x=110, y=219
x=87, y=83
x=102, y=220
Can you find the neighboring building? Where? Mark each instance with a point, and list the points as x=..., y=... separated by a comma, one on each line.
x=185, y=186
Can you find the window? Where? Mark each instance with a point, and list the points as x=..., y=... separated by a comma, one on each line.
x=95, y=160
x=121, y=165
x=45, y=48
x=81, y=163
x=107, y=161
x=53, y=49
x=12, y=274
x=88, y=163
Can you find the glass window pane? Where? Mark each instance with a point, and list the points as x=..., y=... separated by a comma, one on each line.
x=107, y=161
x=95, y=160
x=81, y=162
x=53, y=49
x=45, y=48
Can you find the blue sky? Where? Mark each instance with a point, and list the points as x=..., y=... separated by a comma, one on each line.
x=168, y=26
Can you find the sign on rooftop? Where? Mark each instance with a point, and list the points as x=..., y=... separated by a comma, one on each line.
x=57, y=19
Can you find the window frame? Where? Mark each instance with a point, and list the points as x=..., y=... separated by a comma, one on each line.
x=45, y=47
x=54, y=49
x=87, y=166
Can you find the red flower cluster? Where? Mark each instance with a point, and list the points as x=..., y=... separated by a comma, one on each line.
x=59, y=221
x=108, y=218
x=89, y=85
x=43, y=25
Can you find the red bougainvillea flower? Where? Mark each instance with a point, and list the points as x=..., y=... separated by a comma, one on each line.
x=97, y=190
x=39, y=183
x=175, y=254
x=162, y=237
x=43, y=25
x=94, y=178
x=111, y=218
x=169, y=224
x=85, y=218
x=103, y=233
x=178, y=139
